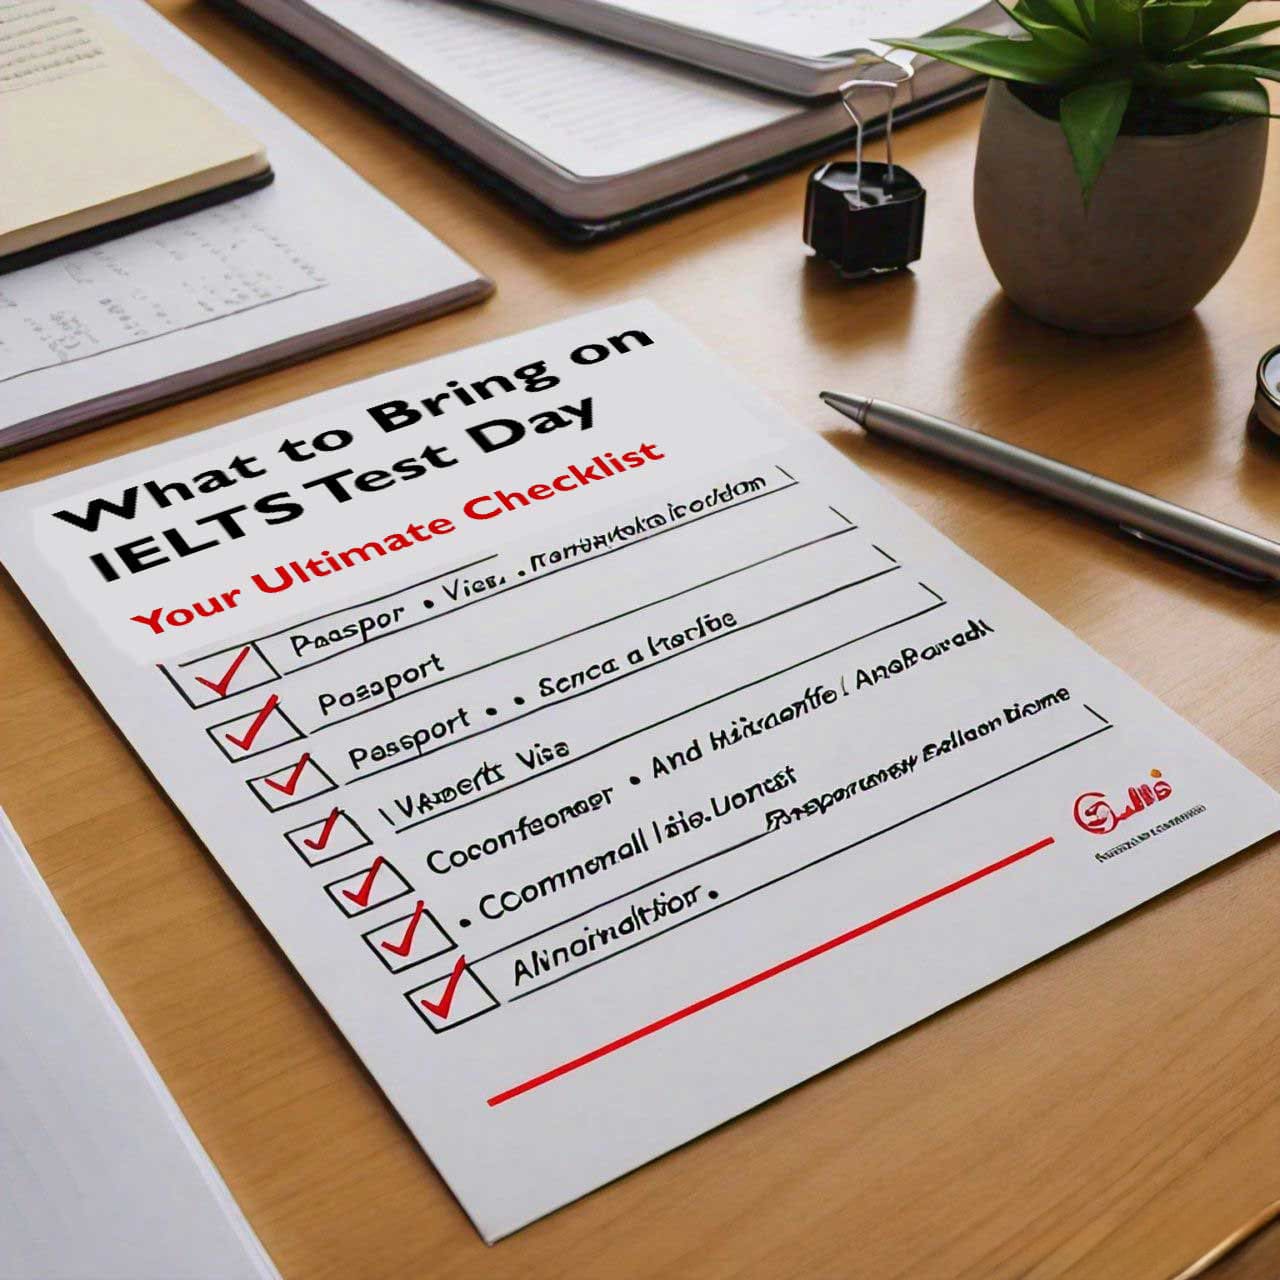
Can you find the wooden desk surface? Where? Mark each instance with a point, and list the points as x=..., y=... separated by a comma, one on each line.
x=1112, y=1111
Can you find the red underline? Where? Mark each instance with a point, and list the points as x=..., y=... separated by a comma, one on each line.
x=764, y=975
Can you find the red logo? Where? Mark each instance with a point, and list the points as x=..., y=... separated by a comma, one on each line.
x=1095, y=813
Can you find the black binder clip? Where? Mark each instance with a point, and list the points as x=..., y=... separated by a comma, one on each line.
x=865, y=218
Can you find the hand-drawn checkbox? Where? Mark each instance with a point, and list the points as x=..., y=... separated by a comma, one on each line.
x=291, y=784
x=328, y=837
x=253, y=732
x=409, y=940
x=220, y=675
x=448, y=1002
x=371, y=886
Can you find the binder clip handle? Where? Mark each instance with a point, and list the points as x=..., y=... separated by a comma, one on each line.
x=846, y=92
x=866, y=218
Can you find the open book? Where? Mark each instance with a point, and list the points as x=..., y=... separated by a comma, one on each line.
x=804, y=47
x=592, y=132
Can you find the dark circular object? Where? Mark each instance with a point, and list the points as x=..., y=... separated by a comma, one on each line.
x=1266, y=402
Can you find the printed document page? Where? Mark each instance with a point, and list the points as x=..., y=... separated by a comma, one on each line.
x=606, y=755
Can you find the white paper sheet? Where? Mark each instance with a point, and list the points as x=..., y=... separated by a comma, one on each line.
x=101, y=1177
x=280, y=271
x=170, y=279
x=593, y=109
x=609, y=780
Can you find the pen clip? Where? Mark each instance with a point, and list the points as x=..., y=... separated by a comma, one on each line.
x=1197, y=556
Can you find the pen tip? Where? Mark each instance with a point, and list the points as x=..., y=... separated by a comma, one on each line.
x=854, y=407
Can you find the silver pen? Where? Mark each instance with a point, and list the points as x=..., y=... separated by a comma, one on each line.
x=1165, y=524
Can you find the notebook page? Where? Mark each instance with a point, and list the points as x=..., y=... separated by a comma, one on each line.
x=41, y=43
x=804, y=28
x=590, y=108
x=103, y=1178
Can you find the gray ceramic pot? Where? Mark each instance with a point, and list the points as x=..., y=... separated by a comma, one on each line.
x=1168, y=215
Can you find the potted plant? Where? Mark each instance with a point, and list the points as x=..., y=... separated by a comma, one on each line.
x=1121, y=153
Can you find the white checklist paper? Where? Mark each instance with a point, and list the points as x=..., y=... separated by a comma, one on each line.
x=607, y=755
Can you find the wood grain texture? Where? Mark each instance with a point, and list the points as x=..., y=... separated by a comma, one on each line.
x=1112, y=1111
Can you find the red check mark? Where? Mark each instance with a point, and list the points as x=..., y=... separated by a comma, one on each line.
x=402, y=947
x=291, y=785
x=258, y=721
x=442, y=1006
x=360, y=896
x=220, y=687
x=325, y=832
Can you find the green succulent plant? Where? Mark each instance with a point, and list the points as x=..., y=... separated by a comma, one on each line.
x=1108, y=59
